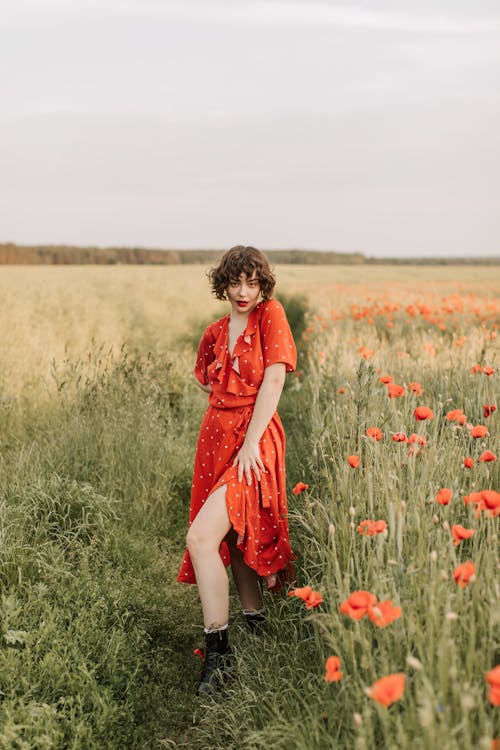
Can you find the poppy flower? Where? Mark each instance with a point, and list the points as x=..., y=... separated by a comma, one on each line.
x=357, y=604
x=460, y=533
x=493, y=678
x=463, y=573
x=375, y=433
x=399, y=437
x=370, y=528
x=491, y=502
x=300, y=487
x=444, y=496
x=475, y=368
x=383, y=613
x=388, y=689
x=332, y=666
x=468, y=462
x=341, y=390
x=395, y=391
x=416, y=388
x=456, y=415
x=489, y=409
x=489, y=370
x=385, y=379
x=419, y=439
x=487, y=456
x=423, y=412
x=310, y=597
x=199, y=652
x=366, y=353
x=353, y=461
x=479, y=431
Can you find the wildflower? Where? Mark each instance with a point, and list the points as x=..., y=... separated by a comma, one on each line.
x=468, y=462
x=487, y=456
x=456, y=415
x=370, y=528
x=353, y=461
x=199, y=652
x=418, y=439
x=493, y=677
x=309, y=597
x=395, y=391
x=341, y=390
x=488, y=370
x=444, y=496
x=383, y=613
x=375, y=433
x=479, y=431
x=385, y=379
x=416, y=388
x=475, y=369
x=357, y=604
x=399, y=437
x=460, y=533
x=366, y=353
x=423, y=412
x=300, y=487
x=489, y=409
x=464, y=573
x=387, y=689
x=332, y=673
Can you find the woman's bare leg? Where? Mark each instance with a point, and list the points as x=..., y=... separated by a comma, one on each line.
x=245, y=578
x=203, y=540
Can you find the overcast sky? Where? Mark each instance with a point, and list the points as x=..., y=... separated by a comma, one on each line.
x=370, y=125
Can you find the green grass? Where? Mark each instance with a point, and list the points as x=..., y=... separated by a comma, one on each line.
x=96, y=635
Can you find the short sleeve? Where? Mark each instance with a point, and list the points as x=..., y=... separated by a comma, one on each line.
x=276, y=337
x=204, y=356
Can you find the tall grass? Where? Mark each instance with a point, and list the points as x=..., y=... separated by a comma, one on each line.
x=95, y=476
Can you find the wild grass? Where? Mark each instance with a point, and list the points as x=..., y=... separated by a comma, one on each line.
x=97, y=435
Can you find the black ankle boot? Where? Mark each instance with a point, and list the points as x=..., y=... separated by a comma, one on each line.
x=255, y=621
x=215, y=666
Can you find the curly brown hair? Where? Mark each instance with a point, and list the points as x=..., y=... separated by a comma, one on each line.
x=237, y=260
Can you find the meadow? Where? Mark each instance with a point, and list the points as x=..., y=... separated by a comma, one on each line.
x=396, y=533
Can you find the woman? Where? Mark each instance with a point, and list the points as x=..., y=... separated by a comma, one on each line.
x=238, y=512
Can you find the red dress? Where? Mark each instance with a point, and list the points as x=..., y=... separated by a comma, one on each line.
x=258, y=512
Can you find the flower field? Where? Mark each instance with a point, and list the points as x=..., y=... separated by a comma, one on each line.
x=390, y=636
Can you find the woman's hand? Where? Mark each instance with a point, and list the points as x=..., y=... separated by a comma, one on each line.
x=248, y=459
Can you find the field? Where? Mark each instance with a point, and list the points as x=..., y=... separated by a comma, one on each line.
x=397, y=385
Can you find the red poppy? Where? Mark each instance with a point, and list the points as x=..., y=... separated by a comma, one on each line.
x=455, y=415
x=383, y=613
x=388, y=689
x=489, y=370
x=487, y=456
x=399, y=437
x=395, y=391
x=300, y=487
x=416, y=388
x=310, y=597
x=357, y=604
x=475, y=368
x=385, y=379
x=479, y=431
x=366, y=353
x=463, y=573
x=493, y=678
x=444, y=496
x=370, y=528
x=423, y=412
x=460, y=533
x=332, y=666
x=353, y=461
x=419, y=439
x=199, y=652
x=340, y=390
x=489, y=409
x=491, y=502
x=468, y=462
x=375, y=433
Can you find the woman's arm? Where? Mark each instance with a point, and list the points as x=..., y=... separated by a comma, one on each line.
x=248, y=456
x=206, y=388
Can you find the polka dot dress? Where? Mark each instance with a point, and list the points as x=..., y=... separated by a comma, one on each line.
x=258, y=512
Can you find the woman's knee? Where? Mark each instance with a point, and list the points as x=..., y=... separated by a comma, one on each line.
x=198, y=540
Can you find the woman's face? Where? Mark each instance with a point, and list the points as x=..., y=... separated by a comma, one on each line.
x=243, y=293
